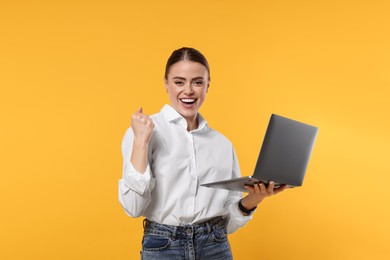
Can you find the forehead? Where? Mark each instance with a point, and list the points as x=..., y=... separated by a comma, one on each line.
x=187, y=69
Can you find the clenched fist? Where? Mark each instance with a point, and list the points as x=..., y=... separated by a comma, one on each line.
x=142, y=127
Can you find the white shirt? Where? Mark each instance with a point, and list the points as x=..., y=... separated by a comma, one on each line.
x=169, y=191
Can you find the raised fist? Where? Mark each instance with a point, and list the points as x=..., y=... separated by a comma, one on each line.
x=142, y=126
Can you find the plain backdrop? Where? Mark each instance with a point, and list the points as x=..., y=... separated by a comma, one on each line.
x=73, y=72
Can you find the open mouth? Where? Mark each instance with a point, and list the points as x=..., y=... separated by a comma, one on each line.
x=188, y=101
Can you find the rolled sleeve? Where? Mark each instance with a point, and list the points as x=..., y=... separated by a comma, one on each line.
x=134, y=188
x=136, y=181
x=236, y=218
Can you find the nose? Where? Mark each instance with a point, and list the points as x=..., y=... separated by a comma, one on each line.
x=188, y=89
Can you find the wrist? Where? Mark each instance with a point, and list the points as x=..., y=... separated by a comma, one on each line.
x=247, y=204
x=244, y=210
x=140, y=143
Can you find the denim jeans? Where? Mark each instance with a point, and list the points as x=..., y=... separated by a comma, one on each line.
x=207, y=240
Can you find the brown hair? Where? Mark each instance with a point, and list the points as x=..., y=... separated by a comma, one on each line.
x=189, y=54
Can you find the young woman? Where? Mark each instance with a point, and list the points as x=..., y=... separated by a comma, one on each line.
x=165, y=158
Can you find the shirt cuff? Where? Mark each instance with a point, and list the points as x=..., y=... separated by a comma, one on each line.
x=237, y=215
x=136, y=181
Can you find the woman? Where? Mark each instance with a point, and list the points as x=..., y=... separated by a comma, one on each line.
x=165, y=158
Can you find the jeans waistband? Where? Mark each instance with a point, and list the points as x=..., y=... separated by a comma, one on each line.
x=198, y=228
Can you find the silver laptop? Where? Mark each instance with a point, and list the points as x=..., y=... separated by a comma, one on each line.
x=283, y=157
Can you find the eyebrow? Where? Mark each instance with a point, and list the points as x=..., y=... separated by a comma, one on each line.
x=196, y=78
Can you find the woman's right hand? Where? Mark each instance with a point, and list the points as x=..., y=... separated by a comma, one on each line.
x=142, y=127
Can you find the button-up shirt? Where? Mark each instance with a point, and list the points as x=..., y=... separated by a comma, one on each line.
x=169, y=191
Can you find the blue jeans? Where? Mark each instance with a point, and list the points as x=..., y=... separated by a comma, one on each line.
x=207, y=240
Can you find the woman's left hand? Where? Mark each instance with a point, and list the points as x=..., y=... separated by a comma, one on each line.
x=259, y=192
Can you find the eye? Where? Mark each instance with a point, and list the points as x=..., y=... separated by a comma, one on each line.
x=198, y=83
x=179, y=83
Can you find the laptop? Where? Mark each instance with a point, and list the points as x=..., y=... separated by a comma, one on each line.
x=283, y=158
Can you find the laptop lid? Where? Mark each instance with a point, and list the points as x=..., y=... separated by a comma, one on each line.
x=283, y=158
x=286, y=151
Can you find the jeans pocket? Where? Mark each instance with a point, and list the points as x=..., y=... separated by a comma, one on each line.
x=220, y=235
x=155, y=243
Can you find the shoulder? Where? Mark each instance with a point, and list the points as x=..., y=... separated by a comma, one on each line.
x=218, y=136
x=159, y=120
x=157, y=116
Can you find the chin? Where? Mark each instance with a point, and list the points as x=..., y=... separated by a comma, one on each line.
x=187, y=112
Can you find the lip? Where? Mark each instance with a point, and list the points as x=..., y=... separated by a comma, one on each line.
x=188, y=98
x=188, y=106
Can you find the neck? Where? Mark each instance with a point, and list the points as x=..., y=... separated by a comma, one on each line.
x=192, y=123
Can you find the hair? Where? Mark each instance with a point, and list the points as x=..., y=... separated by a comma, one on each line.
x=189, y=54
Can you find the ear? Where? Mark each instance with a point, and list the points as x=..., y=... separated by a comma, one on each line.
x=208, y=85
x=166, y=85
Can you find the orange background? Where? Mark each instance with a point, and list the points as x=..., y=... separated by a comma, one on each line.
x=73, y=72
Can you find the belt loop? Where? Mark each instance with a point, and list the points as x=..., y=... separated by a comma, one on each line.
x=174, y=232
x=145, y=223
x=208, y=226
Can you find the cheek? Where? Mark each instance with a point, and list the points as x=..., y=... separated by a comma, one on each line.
x=171, y=89
x=202, y=92
x=173, y=92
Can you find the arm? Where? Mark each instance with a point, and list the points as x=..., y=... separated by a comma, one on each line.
x=236, y=218
x=142, y=127
x=137, y=181
x=259, y=192
x=256, y=195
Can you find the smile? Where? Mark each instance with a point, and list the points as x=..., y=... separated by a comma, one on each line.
x=188, y=101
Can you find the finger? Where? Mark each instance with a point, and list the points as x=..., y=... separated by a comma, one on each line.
x=141, y=120
x=139, y=110
x=262, y=188
x=257, y=188
x=270, y=188
x=150, y=123
x=146, y=121
x=250, y=188
x=137, y=117
x=281, y=188
x=140, y=117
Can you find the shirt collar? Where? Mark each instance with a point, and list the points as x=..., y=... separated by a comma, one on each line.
x=173, y=116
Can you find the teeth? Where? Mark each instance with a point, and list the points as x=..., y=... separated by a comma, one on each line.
x=187, y=100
